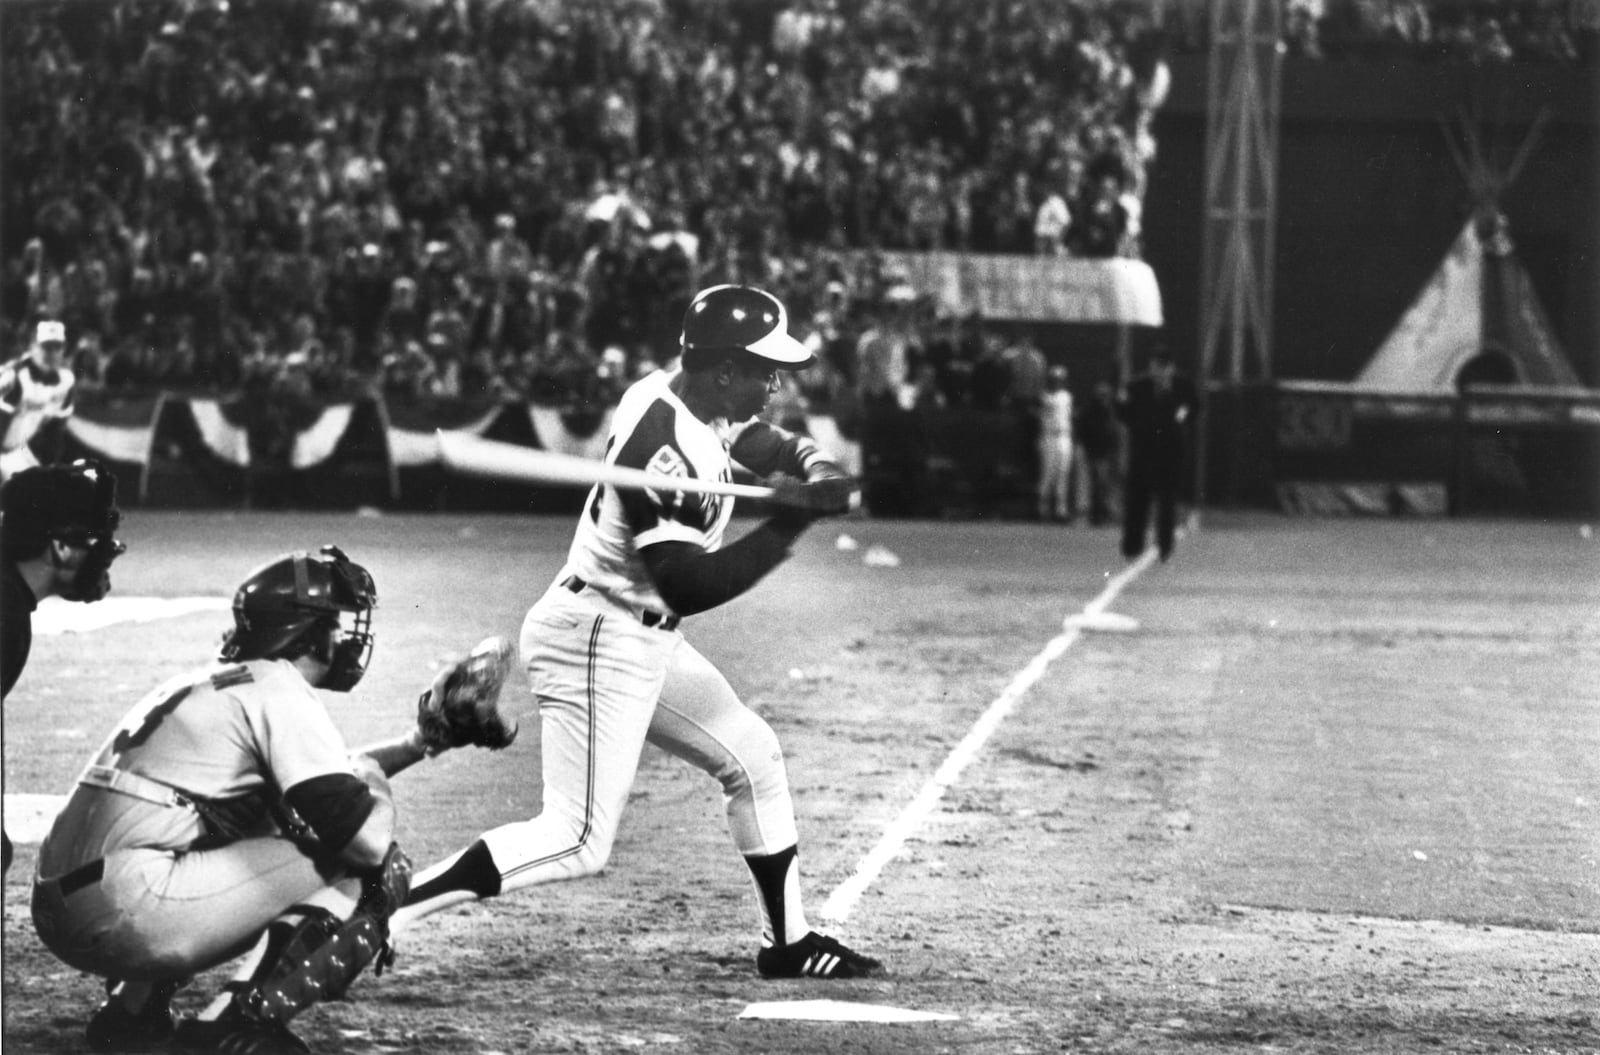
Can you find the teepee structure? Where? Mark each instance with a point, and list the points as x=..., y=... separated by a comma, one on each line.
x=1478, y=317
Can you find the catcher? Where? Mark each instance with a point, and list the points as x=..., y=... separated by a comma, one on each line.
x=225, y=816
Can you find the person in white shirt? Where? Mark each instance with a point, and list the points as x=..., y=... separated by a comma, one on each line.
x=1055, y=446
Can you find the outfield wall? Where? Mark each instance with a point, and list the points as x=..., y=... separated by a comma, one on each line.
x=1330, y=449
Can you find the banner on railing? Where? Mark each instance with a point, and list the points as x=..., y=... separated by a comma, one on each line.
x=401, y=435
x=225, y=439
x=122, y=430
x=410, y=426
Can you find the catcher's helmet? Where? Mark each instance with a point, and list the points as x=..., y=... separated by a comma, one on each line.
x=724, y=319
x=285, y=607
x=75, y=504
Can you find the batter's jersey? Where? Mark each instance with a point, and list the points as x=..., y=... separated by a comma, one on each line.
x=653, y=430
x=32, y=395
x=231, y=736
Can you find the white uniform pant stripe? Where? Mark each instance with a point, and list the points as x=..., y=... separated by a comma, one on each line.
x=507, y=875
x=595, y=676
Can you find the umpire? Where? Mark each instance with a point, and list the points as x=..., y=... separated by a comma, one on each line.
x=1154, y=407
x=58, y=537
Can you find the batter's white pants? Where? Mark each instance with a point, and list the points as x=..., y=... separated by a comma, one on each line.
x=606, y=684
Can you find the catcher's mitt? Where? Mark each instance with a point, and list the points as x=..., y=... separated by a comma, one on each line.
x=463, y=705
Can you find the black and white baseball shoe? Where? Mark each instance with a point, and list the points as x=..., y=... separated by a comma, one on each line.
x=815, y=956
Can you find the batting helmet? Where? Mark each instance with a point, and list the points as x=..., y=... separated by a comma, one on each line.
x=727, y=319
x=75, y=504
x=284, y=609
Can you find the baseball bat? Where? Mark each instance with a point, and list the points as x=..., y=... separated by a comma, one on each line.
x=466, y=453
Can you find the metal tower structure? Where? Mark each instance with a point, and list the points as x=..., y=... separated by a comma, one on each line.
x=1241, y=189
x=1243, y=90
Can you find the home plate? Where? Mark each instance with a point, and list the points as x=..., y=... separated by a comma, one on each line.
x=839, y=1011
x=1105, y=622
x=28, y=817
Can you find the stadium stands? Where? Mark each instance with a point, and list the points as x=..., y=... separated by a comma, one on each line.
x=516, y=197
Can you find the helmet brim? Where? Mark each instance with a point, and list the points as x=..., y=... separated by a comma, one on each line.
x=782, y=351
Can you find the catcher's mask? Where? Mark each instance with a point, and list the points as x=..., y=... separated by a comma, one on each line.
x=73, y=504
x=289, y=608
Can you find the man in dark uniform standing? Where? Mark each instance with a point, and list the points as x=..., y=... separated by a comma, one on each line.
x=58, y=537
x=1095, y=431
x=1154, y=407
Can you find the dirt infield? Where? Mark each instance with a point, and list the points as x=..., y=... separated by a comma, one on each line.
x=1339, y=792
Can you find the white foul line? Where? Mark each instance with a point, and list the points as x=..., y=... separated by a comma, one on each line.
x=842, y=900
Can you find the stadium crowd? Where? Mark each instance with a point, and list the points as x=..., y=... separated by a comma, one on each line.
x=445, y=196
x=517, y=197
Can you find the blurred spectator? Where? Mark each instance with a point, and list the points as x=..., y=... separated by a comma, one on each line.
x=1055, y=448
x=1301, y=19
x=885, y=353
x=38, y=392
x=1026, y=372
x=90, y=360
x=1104, y=222
x=1052, y=219
x=408, y=373
x=402, y=320
x=990, y=381
x=508, y=255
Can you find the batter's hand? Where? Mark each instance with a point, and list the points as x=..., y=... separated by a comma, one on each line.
x=815, y=498
x=822, y=469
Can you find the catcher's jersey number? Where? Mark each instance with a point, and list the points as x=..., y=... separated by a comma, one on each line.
x=167, y=702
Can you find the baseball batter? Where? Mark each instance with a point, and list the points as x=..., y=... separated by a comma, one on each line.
x=608, y=664
x=35, y=390
x=225, y=815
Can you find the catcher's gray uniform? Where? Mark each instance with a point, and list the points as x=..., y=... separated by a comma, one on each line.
x=171, y=854
x=225, y=816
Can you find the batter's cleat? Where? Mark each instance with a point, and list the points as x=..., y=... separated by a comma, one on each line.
x=113, y=1027
x=815, y=956
x=236, y=1035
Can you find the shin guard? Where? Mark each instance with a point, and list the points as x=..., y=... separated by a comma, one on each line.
x=319, y=959
x=321, y=954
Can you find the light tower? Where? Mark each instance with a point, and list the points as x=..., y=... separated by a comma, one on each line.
x=1243, y=89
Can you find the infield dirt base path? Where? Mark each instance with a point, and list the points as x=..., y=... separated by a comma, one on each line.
x=1337, y=793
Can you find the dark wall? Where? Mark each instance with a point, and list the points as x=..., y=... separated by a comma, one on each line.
x=1369, y=200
